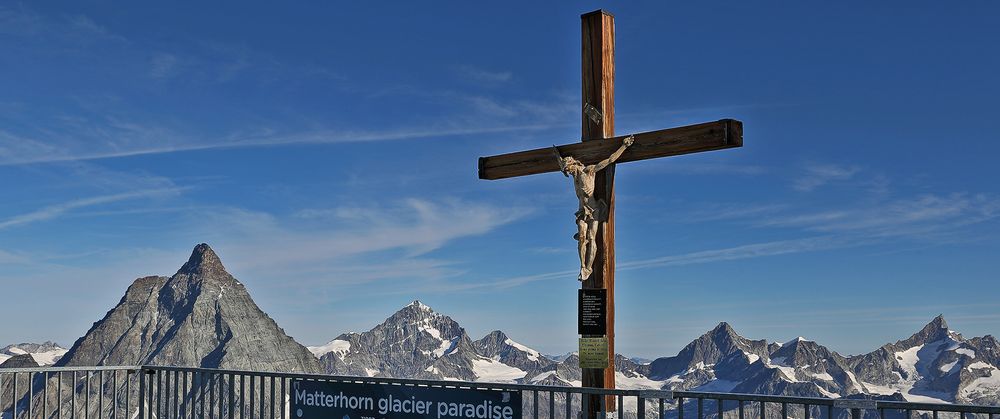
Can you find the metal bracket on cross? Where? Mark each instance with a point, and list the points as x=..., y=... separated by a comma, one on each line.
x=593, y=113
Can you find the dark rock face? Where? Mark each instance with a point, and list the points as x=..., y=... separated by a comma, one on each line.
x=410, y=343
x=721, y=345
x=199, y=317
x=20, y=361
x=417, y=342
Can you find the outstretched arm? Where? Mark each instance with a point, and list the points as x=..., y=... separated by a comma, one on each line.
x=614, y=156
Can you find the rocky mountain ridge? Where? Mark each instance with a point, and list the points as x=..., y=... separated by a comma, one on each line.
x=199, y=317
x=934, y=365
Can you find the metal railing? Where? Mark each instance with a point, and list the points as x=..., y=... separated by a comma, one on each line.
x=150, y=392
x=69, y=392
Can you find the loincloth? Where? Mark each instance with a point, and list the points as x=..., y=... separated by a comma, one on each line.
x=598, y=212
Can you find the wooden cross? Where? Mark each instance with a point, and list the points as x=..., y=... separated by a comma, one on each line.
x=599, y=142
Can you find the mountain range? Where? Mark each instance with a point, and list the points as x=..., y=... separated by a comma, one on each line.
x=204, y=317
x=935, y=364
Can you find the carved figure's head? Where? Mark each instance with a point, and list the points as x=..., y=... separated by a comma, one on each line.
x=571, y=166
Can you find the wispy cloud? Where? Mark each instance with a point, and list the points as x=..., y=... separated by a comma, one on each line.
x=486, y=76
x=550, y=250
x=162, y=65
x=732, y=211
x=749, y=251
x=411, y=228
x=9, y=258
x=75, y=29
x=16, y=150
x=817, y=175
x=54, y=211
x=688, y=168
x=922, y=218
x=919, y=215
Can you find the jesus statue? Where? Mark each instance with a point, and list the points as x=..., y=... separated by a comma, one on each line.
x=592, y=211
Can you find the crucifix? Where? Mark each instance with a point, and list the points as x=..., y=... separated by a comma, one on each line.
x=592, y=165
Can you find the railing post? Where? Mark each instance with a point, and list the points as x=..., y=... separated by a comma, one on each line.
x=31, y=392
x=45, y=395
x=114, y=393
x=569, y=405
x=58, y=395
x=535, y=404
x=100, y=394
x=552, y=404
x=640, y=403
x=142, y=394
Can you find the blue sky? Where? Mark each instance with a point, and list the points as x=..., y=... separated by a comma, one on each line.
x=328, y=153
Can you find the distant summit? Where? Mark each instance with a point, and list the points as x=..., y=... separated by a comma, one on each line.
x=199, y=317
x=418, y=342
x=43, y=354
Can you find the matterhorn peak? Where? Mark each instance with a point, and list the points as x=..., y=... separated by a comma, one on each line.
x=203, y=260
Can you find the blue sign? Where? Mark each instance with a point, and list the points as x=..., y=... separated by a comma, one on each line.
x=339, y=400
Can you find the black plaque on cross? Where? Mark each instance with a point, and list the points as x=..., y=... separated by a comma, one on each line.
x=593, y=312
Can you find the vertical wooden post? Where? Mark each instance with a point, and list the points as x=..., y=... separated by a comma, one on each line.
x=599, y=92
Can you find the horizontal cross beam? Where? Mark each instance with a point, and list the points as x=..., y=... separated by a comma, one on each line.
x=722, y=134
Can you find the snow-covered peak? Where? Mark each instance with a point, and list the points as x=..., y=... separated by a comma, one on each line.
x=337, y=346
x=419, y=306
x=44, y=354
x=531, y=353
